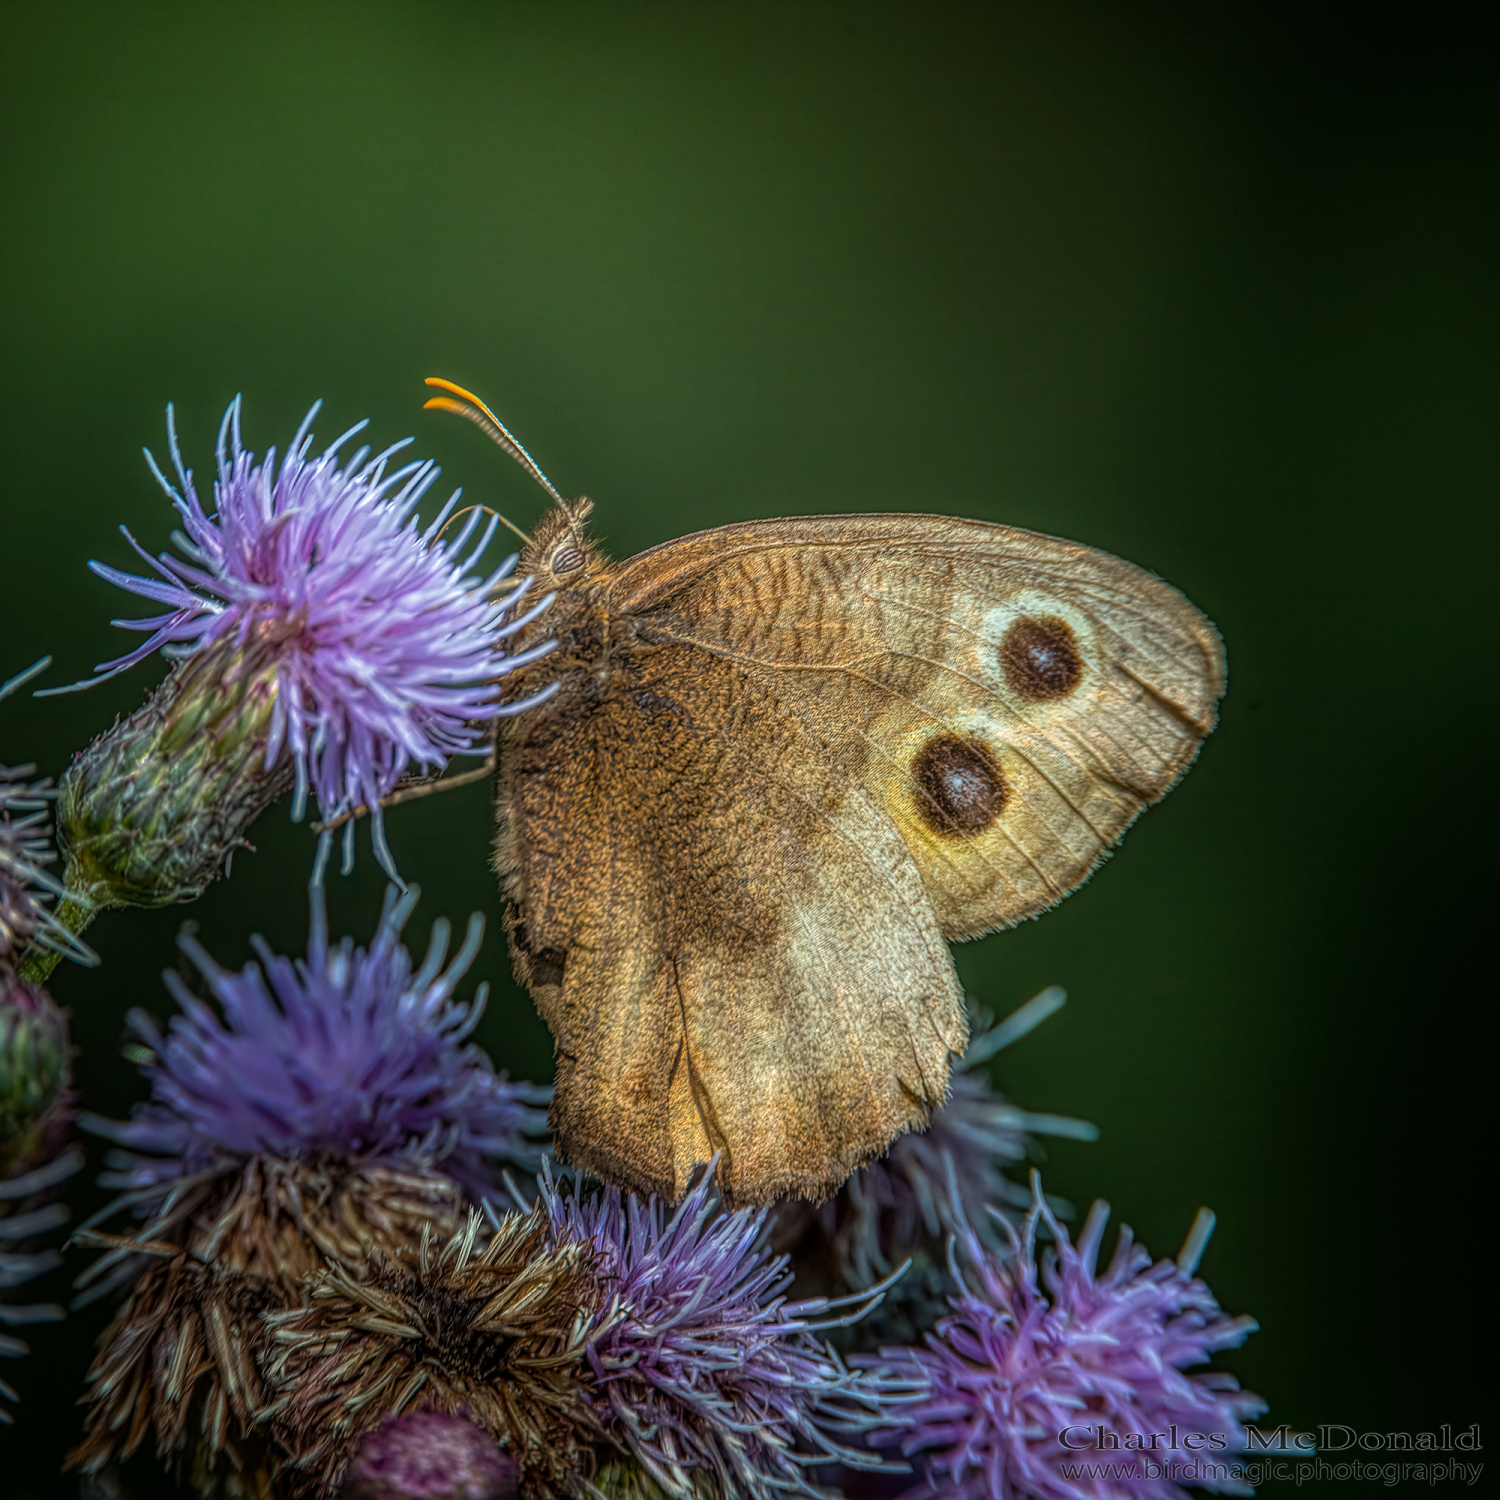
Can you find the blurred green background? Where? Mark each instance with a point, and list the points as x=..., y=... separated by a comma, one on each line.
x=1202, y=286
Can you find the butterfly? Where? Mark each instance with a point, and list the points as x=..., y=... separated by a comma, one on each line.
x=785, y=763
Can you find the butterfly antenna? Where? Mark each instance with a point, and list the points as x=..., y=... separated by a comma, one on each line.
x=471, y=407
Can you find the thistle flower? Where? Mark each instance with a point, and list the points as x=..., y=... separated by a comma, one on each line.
x=182, y=1356
x=704, y=1374
x=901, y=1207
x=333, y=1111
x=26, y=886
x=1036, y=1363
x=606, y=1347
x=34, y=1215
x=429, y=1455
x=496, y=1335
x=350, y=1051
x=327, y=643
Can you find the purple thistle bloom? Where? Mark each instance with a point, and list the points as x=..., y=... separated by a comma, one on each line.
x=1030, y=1352
x=386, y=645
x=347, y=1052
x=701, y=1369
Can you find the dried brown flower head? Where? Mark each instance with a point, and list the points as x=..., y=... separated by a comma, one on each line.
x=497, y=1333
x=183, y=1353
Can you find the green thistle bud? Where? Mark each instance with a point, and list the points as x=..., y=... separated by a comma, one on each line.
x=624, y=1479
x=34, y=1057
x=150, y=812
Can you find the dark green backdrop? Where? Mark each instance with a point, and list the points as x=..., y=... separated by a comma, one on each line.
x=1201, y=286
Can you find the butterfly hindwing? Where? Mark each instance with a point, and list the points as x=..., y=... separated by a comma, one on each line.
x=727, y=936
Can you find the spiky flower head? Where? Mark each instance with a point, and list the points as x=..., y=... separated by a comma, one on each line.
x=494, y=1332
x=183, y=1356
x=705, y=1375
x=352, y=1051
x=329, y=641
x=27, y=887
x=1042, y=1365
x=609, y=1346
x=429, y=1455
x=328, y=1110
x=26, y=1212
x=904, y=1205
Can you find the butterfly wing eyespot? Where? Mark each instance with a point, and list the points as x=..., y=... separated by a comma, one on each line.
x=1040, y=658
x=958, y=787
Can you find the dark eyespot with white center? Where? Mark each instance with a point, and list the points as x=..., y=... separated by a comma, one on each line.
x=957, y=785
x=1040, y=658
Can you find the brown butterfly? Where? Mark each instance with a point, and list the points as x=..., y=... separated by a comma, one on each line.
x=786, y=762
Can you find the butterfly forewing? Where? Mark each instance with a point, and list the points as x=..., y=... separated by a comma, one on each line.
x=1012, y=700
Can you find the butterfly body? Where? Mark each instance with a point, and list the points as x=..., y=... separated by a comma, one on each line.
x=786, y=762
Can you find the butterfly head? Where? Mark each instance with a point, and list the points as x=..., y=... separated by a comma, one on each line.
x=560, y=555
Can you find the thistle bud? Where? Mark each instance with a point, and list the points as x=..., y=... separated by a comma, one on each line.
x=34, y=1057
x=150, y=812
x=430, y=1455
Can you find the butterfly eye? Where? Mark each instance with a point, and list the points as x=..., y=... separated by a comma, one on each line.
x=567, y=559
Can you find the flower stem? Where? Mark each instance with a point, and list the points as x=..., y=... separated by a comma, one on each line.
x=38, y=964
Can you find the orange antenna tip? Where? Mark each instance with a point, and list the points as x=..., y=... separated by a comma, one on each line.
x=471, y=407
x=458, y=390
x=448, y=385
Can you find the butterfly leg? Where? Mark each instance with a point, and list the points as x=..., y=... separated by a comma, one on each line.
x=409, y=790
